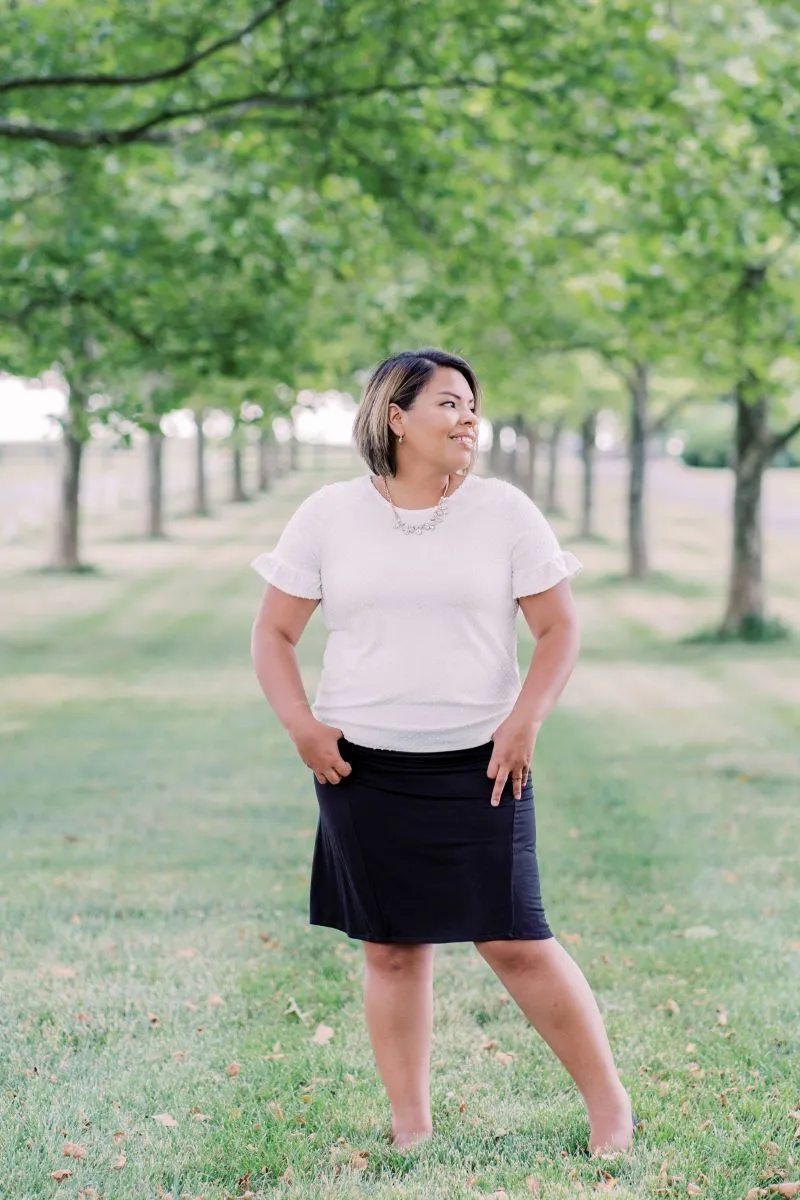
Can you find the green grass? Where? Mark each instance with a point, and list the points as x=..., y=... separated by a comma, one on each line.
x=157, y=835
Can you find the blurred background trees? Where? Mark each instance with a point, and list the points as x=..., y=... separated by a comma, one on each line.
x=211, y=208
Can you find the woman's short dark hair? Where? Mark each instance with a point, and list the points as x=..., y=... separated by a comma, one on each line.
x=399, y=380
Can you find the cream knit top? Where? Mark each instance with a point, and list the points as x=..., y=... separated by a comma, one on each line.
x=421, y=652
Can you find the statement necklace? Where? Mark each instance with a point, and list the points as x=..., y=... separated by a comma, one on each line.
x=433, y=520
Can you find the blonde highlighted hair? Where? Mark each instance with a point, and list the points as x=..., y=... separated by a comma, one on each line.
x=399, y=380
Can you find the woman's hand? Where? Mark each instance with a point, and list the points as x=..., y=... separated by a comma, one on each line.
x=514, y=741
x=317, y=745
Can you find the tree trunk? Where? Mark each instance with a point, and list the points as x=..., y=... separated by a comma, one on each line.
x=638, y=565
x=517, y=463
x=264, y=464
x=588, y=446
x=496, y=451
x=67, y=551
x=155, y=484
x=238, y=494
x=553, y=447
x=745, y=605
x=294, y=453
x=528, y=479
x=200, y=491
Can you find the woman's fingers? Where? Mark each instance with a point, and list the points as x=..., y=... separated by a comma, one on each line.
x=518, y=776
x=499, y=784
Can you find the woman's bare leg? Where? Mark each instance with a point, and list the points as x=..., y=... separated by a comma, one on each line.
x=552, y=992
x=398, y=1003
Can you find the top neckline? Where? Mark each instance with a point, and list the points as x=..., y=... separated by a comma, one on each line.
x=382, y=499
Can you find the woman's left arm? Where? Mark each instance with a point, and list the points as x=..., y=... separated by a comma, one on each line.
x=552, y=620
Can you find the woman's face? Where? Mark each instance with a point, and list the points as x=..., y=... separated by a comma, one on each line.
x=441, y=427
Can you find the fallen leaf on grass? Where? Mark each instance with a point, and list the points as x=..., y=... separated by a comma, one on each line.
x=83, y=1017
x=73, y=1150
x=571, y=938
x=190, y=1004
x=755, y=1193
x=795, y=945
x=323, y=1035
x=153, y=1019
x=59, y=972
x=286, y=1177
x=503, y=997
x=119, y=1163
x=533, y=1185
x=504, y=1058
x=772, y=1149
x=693, y=1190
x=233, y=1069
x=489, y=1044
x=669, y=910
x=730, y=876
x=200, y=1116
x=186, y=952
x=691, y=1047
x=358, y=1159
x=700, y=932
x=606, y=1182
x=293, y=1008
x=89, y=1193
x=166, y=1120
x=722, y=1016
x=60, y=1176
x=673, y=1007
x=215, y=1000
x=119, y=1136
x=275, y=1108
x=269, y=942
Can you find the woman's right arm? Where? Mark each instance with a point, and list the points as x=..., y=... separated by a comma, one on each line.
x=278, y=626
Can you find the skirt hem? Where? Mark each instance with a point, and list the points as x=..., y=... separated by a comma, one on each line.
x=439, y=939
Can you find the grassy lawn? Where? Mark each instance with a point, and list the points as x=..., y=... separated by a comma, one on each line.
x=162, y=990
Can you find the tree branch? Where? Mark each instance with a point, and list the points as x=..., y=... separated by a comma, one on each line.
x=672, y=410
x=174, y=72
x=782, y=439
x=80, y=139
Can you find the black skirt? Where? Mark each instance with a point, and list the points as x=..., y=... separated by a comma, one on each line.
x=409, y=849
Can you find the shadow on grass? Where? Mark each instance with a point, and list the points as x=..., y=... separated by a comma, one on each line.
x=657, y=583
x=88, y=569
x=590, y=539
x=758, y=630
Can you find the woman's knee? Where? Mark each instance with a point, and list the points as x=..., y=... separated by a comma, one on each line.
x=515, y=954
x=393, y=958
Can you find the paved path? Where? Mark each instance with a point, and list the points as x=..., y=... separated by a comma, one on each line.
x=713, y=490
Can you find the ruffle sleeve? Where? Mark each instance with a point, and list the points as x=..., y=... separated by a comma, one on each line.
x=289, y=579
x=527, y=581
x=294, y=565
x=537, y=560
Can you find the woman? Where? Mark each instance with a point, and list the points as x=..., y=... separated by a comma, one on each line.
x=422, y=732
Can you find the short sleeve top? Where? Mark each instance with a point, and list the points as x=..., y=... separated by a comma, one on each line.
x=421, y=652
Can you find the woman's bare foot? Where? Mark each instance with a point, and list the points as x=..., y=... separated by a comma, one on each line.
x=612, y=1127
x=403, y=1139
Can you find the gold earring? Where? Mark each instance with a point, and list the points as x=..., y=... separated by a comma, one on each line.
x=400, y=439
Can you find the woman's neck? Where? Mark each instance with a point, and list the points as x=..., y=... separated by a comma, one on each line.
x=420, y=489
